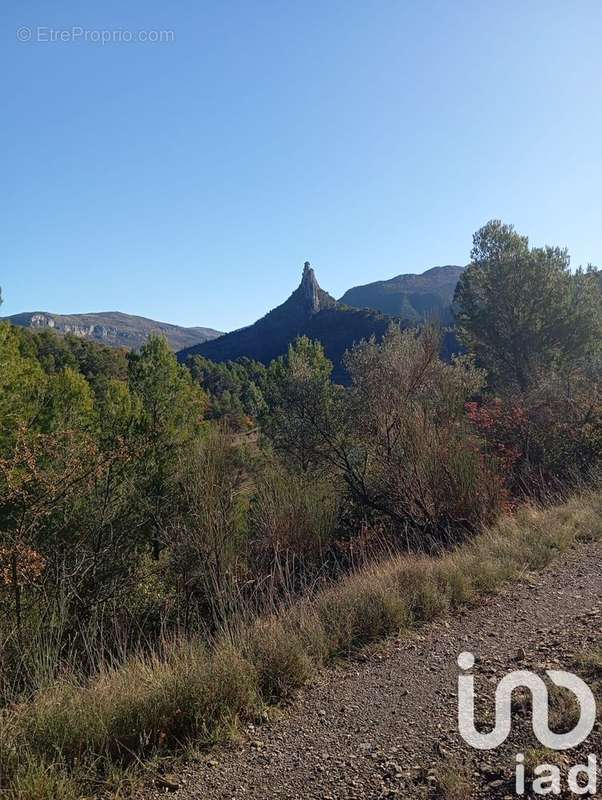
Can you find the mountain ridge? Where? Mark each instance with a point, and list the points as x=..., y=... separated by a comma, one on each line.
x=361, y=312
x=269, y=336
x=413, y=296
x=113, y=328
x=308, y=311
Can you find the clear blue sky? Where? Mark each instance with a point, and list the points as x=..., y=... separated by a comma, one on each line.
x=189, y=180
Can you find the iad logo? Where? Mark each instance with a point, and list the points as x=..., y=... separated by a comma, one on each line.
x=548, y=778
x=503, y=707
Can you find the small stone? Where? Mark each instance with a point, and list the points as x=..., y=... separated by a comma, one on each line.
x=169, y=783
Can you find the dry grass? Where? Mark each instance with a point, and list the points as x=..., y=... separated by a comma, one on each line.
x=589, y=664
x=540, y=755
x=71, y=736
x=453, y=782
x=39, y=781
x=564, y=710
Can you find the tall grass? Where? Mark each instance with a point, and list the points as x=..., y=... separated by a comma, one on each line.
x=72, y=735
x=294, y=513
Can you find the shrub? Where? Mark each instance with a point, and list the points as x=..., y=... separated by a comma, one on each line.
x=279, y=658
x=548, y=438
x=293, y=515
x=144, y=705
x=407, y=454
x=361, y=610
x=207, y=537
x=74, y=730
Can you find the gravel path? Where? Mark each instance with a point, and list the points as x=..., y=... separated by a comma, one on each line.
x=384, y=724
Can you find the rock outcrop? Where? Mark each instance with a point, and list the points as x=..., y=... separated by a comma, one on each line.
x=309, y=311
x=113, y=328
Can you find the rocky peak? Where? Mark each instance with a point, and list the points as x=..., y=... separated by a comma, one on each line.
x=309, y=293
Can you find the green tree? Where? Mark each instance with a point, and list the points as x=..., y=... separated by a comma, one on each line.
x=172, y=409
x=22, y=387
x=233, y=388
x=119, y=411
x=69, y=403
x=521, y=311
x=302, y=404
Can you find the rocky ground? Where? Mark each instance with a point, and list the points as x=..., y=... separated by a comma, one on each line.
x=384, y=725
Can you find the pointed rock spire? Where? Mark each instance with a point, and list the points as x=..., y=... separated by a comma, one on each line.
x=310, y=289
x=314, y=298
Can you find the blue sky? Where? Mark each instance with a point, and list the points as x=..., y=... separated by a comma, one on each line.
x=189, y=180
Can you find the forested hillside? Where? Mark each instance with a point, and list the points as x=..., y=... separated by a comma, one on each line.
x=146, y=541
x=311, y=312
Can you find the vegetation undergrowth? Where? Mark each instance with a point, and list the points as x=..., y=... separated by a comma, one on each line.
x=82, y=738
x=183, y=543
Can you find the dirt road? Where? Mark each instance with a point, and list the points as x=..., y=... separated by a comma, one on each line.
x=384, y=725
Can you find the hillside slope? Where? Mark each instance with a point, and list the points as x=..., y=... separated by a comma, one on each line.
x=309, y=311
x=114, y=328
x=414, y=298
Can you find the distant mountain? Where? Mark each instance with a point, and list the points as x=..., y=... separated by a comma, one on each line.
x=113, y=328
x=309, y=311
x=412, y=297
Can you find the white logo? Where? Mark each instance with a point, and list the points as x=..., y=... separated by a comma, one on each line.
x=503, y=710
